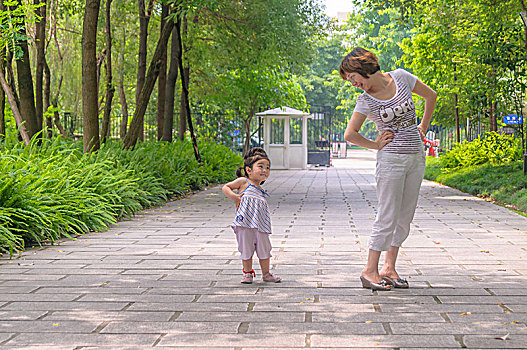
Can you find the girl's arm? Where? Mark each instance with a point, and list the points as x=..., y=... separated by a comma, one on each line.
x=352, y=134
x=228, y=190
x=430, y=97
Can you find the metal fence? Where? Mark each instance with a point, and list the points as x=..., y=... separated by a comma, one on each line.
x=227, y=128
x=224, y=127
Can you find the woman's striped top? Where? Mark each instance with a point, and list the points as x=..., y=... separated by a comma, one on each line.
x=253, y=211
x=396, y=114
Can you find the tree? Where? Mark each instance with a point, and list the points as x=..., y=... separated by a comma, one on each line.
x=13, y=45
x=461, y=48
x=89, y=77
x=26, y=94
x=2, y=95
x=109, y=86
x=171, y=87
x=145, y=11
x=40, y=39
x=137, y=121
x=254, y=50
x=161, y=87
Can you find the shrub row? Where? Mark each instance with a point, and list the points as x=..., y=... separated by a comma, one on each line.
x=53, y=190
x=491, y=148
x=488, y=167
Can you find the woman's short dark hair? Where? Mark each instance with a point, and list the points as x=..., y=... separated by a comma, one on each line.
x=249, y=158
x=359, y=61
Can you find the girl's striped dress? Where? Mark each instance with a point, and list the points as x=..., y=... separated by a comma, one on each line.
x=253, y=211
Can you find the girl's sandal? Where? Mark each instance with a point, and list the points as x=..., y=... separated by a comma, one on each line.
x=248, y=277
x=271, y=278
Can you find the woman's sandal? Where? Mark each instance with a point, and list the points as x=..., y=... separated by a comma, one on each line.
x=382, y=285
x=396, y=282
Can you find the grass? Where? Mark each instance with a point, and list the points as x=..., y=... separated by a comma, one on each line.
x=505, y=184
x=51, y=190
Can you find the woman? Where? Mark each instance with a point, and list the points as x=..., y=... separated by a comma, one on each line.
x=387, y=101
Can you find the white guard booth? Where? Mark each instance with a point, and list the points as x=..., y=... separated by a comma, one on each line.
x=285, y=137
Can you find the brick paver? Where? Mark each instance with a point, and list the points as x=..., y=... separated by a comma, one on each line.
x=170, y=276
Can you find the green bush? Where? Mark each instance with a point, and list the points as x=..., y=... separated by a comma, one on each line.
x=504, y=183
x=492, y=148
x=52, y=190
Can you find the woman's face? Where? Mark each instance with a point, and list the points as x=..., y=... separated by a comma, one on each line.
x=357, y=80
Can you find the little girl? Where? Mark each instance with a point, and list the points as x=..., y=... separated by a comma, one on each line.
x=252, y=223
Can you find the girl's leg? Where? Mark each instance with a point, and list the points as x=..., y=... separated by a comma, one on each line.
x=371, y=271
x=246, y=247
x=247, y=265
x=263, y=250
x=264, y=265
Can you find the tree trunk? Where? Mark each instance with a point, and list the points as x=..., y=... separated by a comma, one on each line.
x=124, y=110
x=161, y=84
x=122, y=94
x=184, y=92
x=2, y=98
x=153, y=71
x=14, y=108
x=182, y=128
x=458, y=131
x=25, y=83
x=109, y=86
x=144, y=19
x=2, y=93
x=493, y=123
x=89, y=77
x=11, y=80
x=59, y=126
x=2, y=109
x=40, y=37
x=171, y=87
x=247, y=126
x=47, y=93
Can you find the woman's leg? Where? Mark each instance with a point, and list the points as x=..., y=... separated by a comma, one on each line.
x=412, y=185
x=388, y=268
x=389, y=177
x=371, y=270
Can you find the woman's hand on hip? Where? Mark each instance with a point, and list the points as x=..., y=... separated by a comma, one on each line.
x=422, y=132
x=383, y=139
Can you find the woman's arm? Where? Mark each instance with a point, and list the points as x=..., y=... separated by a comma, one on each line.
x=352, y=134
x=430, y=97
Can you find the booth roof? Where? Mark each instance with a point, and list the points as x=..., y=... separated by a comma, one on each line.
x=283, y=111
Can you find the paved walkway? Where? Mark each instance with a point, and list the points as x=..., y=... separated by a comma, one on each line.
x=170, y=277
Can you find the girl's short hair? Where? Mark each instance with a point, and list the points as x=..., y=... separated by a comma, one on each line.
x=249, y=158
x=359, y=61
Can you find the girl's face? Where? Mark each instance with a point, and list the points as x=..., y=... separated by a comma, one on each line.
x=357, y=80
x=259, y=171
